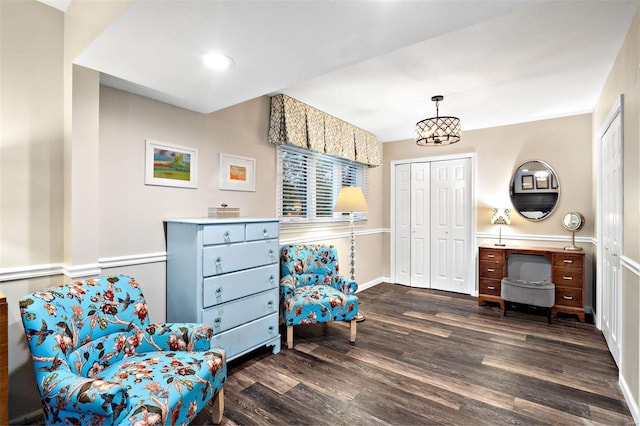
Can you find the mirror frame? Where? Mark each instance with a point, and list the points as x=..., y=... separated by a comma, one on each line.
x=578, y=226
x=554, y=188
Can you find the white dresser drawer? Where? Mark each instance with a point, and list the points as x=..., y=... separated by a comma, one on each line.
x=262, y=231
x=236, y=257
x=225, y=288
x=246, y=336
x=223, y=233
x=232, y=314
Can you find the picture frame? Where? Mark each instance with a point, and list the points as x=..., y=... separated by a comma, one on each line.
x=237, y=173
x=542, y=183
x=527, y=182
x=170, y=165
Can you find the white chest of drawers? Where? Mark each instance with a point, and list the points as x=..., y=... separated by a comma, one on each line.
x=224, y=272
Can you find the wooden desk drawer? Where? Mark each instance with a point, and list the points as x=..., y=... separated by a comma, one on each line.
x=223, y=234
x=491, y=287
x=491, y=270
x=564, y=277
x=221, y=259
x=568, y=296
x=494, y=255
x=568, y=260
x=225, y=288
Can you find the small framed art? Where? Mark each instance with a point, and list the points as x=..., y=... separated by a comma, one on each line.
x=237, y=173
x=170, y=165
x=527, y=182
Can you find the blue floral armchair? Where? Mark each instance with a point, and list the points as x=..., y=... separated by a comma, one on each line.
x=98, y=360
x=311, y=289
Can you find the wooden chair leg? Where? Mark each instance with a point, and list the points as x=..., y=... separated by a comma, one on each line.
x=217, y=409
x=290, y=337
x=352, y=338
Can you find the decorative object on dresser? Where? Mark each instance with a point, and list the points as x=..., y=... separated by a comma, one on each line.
x=312, y=289
x=534, y=190
x=224, y=211
x=224, y=272
x=567, y=273
x=573, y=221
x=98, y=360
x=500, y=217
x=351, y=200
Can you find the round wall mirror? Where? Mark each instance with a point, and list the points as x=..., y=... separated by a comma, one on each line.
x=534, y=190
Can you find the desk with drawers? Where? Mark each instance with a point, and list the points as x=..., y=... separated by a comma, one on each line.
x=567, y=273
x=225, y=273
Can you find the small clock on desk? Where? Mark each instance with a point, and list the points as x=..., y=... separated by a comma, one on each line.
x=573, y=221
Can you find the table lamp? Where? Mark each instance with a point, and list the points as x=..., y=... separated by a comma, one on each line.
x=351, y=200
x=500, y=217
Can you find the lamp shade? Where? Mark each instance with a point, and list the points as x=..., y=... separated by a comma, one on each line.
x=501, y=216
x=351, y=199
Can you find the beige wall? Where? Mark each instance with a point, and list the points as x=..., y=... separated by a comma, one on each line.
x=623, y=80
x=31, y=133
x=564, y=143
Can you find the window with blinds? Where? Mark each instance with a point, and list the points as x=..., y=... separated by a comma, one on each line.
x=309, y=183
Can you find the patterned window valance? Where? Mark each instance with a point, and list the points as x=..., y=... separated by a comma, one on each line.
x=295, y=123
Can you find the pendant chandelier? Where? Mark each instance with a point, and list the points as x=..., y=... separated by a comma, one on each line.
x=436, y=131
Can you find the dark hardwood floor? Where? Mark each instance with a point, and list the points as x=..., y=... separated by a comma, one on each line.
x=429, y=357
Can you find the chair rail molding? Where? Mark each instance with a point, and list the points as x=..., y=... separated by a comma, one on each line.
x=27, y=272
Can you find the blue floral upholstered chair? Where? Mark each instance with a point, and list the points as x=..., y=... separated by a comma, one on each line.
x=98, y=360
x=311, y=289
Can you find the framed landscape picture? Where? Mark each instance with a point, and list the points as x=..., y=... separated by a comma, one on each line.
x=170, y=165
x=237, y=173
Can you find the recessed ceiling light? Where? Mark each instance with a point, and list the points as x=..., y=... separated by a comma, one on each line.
x=217, y=61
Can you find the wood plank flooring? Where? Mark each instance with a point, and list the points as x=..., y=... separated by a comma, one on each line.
x=426, y=357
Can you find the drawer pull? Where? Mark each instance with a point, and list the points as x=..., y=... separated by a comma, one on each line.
x=270, y=304
x=491, y=256
x=270, y=253
x=218, y=261
x=491, y=270
x=217, y=321
x=226, y=236
x=491, y=287
x=569, y=261
x=272, y=279
x=219, y=290
x=565, y=277
x=567, y=297
x=265, y=232
x=270, y=329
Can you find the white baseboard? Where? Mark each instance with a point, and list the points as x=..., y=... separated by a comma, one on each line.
x=372, y=283
x=628, y=396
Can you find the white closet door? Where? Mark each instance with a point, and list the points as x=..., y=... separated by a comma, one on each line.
x=403, y=224
x=420, y=224
x=611, y=190
x=450, y=224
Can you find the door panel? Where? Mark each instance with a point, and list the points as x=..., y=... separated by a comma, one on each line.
x=420, y=224
x=452, y=207
x=403, y=224
x=436, y=196
x=611, y=190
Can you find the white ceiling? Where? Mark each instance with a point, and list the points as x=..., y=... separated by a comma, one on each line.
x=375, y=64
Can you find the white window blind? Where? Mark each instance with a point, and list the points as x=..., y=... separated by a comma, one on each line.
x=309, y=184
